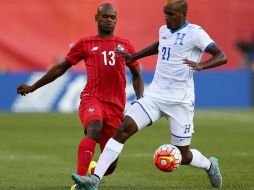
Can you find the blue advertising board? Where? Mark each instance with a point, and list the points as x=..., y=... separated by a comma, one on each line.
x=220, y=89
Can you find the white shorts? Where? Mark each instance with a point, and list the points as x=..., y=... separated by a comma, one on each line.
x=147, y=110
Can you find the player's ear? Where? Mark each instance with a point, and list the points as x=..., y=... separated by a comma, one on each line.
x=96, y=18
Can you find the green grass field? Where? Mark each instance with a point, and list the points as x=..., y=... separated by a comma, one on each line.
x=38, y=152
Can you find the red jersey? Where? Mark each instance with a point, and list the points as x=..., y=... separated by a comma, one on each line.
x=105, y=69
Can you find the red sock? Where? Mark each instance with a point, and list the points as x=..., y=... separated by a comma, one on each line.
x=85, y=155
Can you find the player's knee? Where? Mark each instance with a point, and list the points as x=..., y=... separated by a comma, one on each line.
x=122, y=133
x=94, y=130
x=126, y=130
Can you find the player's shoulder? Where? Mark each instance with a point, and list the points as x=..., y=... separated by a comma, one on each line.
x=88, y=38
x=84, y=40
x=194, y=27
x=122, y=40
x=163, y=28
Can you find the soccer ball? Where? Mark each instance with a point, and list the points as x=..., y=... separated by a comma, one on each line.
x=167, y=158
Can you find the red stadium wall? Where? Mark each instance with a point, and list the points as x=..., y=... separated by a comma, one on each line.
x=35, y=33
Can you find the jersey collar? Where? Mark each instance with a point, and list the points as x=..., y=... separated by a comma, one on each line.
x=183, y=26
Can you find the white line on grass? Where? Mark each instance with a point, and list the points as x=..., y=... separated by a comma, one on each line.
x=25, y=157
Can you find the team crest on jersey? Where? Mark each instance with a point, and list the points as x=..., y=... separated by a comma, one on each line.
x=91, y=110
x=120, y=48
x=180, y=38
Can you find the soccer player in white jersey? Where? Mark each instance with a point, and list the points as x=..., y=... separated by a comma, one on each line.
x=171, y=93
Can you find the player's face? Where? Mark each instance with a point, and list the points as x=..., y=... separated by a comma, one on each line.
x=174, y=17
x=107, y=21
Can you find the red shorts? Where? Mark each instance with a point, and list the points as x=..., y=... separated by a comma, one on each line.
x=110, y=115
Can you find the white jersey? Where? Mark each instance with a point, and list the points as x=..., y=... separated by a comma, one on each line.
x=173, y=80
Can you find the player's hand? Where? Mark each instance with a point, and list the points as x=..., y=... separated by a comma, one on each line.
x=24, y=89
x=128, y=57
x=195, y=66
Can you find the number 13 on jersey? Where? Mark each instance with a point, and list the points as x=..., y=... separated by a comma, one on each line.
x=109, y=58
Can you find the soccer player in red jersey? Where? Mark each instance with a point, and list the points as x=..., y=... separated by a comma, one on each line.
x=103, y=98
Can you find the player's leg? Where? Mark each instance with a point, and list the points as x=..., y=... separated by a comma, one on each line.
x=86, y=148
x=139, y=115
x=113, y=118
x=181, y=122
x=195, y=158
x=108, y=132
x=109, y=155
x=181, y=137
x=114, y=146
x=104, y=139
x=112, y=167
x=91, y=118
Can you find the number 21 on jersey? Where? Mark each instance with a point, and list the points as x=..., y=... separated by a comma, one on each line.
x=109, y=58
x=165, y=53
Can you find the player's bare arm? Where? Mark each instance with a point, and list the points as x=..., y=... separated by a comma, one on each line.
x=218, y=58
x=148, y=51
x=137, y=81
x=52, y=74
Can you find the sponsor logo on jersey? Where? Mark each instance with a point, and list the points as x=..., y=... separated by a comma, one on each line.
x=95, y=48
x=164, y=37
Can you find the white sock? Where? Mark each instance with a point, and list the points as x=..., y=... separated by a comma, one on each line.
x=199, y=160
x=110, y=153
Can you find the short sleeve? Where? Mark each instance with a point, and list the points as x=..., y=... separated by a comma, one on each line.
x=131, y=50
x=203, y=40
x=77, y=53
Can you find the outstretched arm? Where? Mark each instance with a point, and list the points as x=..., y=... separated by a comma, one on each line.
x=150, y=50
x=137, y=81
x=218, y=58
x=52, y=74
